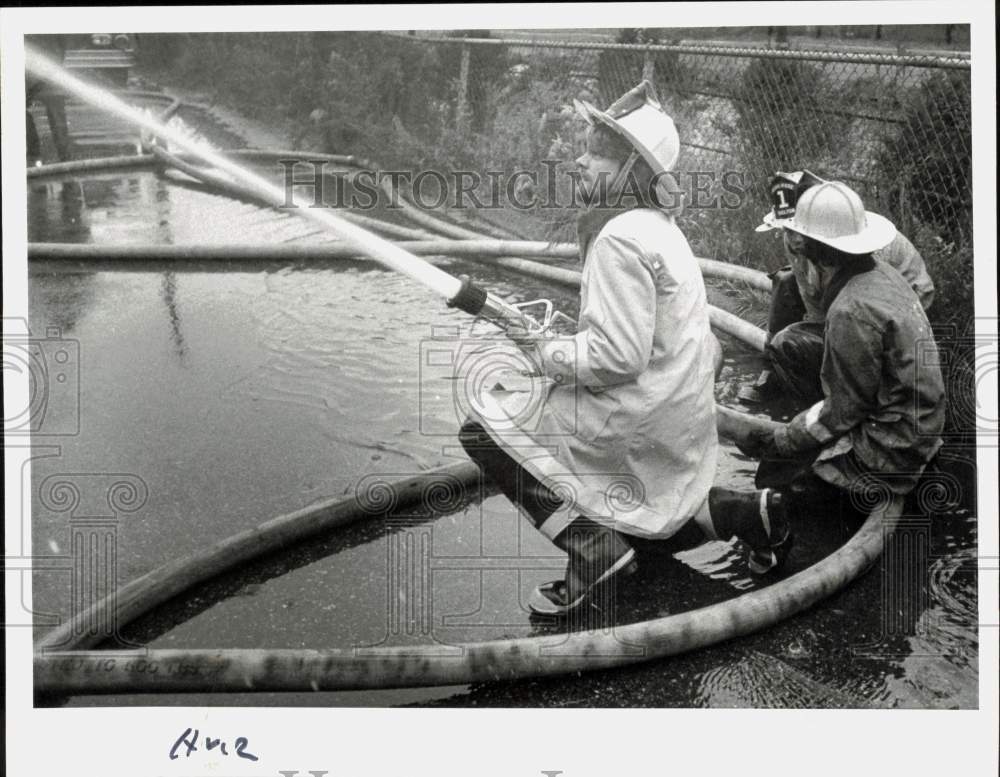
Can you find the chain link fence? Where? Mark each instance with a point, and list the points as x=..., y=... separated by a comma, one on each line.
x=896, y=127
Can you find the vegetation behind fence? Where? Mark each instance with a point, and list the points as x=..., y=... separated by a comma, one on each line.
x=896, y=127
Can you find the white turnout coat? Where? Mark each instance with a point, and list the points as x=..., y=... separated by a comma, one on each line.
x=626, y=429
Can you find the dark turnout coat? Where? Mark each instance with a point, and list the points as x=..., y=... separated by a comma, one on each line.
x=884, y=403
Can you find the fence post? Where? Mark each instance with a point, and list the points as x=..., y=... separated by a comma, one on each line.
x=463, y=89
x=648, y=66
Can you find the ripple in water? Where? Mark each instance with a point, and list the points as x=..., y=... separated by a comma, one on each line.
x=761, y=680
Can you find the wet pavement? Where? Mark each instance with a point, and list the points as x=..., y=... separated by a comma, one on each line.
x=229, y=395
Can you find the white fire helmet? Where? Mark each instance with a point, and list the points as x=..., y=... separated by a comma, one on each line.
x=639, y=118
x=832, y=213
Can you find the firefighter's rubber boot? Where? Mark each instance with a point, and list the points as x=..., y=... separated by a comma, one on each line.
x=597, y=557
x=759, y=519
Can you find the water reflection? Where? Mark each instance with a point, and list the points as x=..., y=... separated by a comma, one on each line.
x=56, y=212
x=168, y=292
x=281, y=388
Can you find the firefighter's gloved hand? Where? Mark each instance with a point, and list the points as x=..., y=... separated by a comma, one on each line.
x=523, y=337
x=528, y=341
x=759, y=444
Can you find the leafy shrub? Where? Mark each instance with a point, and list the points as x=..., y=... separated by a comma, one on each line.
x=619, y=71
x=929, y=163
x=488, y=65
x=951, y=269
x=953, y=318
x=780, y=118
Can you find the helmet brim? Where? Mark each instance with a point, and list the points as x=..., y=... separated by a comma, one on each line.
x=593, y=115
x=877, y=234
x=770, y=222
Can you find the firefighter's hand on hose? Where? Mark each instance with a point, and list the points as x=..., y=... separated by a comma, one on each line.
x=529, y=342
x=759, y=444
x=524, y=338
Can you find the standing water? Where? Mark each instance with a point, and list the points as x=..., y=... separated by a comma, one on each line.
x=232, y=396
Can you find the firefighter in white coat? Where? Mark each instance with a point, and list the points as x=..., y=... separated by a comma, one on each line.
x=626, y=444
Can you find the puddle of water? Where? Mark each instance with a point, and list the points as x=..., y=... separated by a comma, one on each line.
x=236, y=396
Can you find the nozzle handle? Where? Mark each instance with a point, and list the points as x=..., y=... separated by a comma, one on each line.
x=478, y=302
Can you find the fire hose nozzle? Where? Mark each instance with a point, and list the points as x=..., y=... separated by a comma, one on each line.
x=470, y=297
x=478, y=302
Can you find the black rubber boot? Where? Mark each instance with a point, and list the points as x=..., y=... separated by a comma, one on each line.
x=757, y=518
x=516, y=483
x=597, y=556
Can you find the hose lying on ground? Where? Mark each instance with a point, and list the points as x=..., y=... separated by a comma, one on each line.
x=497, y=250
x=92, y=165
x=61, y=667
x=149, y=160
x=713, y=268
x=156, y=587
x=235, y=189
x=289, y=251
x=263, y=670
x=205, y=176
x=433, y=222
x=721, y=319
x=710, y=267
x=425, y=245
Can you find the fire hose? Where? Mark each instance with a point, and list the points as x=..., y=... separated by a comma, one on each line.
x=461, y=294
x=234, y=670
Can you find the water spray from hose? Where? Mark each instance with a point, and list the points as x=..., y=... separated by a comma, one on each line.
x=460, y=293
